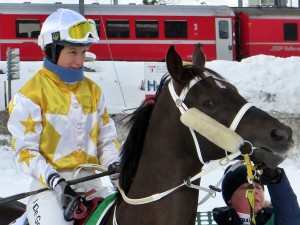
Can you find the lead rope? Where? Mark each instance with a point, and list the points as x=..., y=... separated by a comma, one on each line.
x=250, y=190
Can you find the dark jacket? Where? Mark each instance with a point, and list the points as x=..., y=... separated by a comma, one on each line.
x=284, y=209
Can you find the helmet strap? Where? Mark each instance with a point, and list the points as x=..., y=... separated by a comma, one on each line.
x=53, y=53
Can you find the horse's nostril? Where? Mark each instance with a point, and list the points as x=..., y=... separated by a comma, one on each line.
x=279, y=134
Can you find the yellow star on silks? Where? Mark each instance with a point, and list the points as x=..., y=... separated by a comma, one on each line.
x=25, y=156
x=29, y=124
x=63, y=129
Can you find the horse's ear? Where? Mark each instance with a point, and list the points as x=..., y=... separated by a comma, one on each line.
x=198, y=57
x=174, y=64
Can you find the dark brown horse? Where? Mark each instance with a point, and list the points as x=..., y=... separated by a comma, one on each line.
x=160, y=152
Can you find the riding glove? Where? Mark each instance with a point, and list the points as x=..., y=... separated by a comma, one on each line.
x=114, y=169
x=67, y=197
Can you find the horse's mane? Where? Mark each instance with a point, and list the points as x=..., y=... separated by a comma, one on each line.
x=138, y=124
x=139, y=120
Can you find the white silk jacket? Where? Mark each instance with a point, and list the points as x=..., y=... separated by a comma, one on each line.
x=56, y=127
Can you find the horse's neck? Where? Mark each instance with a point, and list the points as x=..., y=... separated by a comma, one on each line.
x=168, y=155
x=167, y=159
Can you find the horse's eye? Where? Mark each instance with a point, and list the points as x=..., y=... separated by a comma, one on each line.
x=209, y=103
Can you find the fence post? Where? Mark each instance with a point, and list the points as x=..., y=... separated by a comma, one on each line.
x=13, y=67
x=5, y=97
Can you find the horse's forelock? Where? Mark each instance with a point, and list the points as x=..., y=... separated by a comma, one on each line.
x=189, y=72
x=220, y=81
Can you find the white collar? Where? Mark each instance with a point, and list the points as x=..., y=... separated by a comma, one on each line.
x=245, y=218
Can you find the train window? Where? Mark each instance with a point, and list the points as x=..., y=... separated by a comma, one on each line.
x=175, y=29
x=117, y=28
x=146, y=29
x=27, y=28
x=290, y=31
x=223, y=29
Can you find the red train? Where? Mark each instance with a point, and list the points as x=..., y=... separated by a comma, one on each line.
x=144, y=32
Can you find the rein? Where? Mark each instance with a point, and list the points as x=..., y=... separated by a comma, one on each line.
x=179, y=102
x=187, y=182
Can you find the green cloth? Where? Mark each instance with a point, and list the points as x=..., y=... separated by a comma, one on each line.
x=270, y=221
x=102, y=208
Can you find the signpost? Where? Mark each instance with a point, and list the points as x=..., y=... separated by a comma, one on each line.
x=153, y=73
x=13, y=67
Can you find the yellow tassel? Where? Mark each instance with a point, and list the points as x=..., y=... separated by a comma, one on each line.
x=251, y=200
x=250, y=189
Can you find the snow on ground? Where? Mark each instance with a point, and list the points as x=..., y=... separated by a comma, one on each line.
x=271, y=83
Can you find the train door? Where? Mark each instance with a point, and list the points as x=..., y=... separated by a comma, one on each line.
x=224, y=38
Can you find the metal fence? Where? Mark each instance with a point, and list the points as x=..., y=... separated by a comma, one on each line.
x=205, y=218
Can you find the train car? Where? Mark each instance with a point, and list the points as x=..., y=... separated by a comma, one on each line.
x=144, y=32
x=128, y=32
x=268, y=31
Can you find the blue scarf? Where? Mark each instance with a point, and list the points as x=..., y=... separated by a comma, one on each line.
x=65, y=74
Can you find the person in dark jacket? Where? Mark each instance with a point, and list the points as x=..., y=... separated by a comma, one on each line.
x=282, y=210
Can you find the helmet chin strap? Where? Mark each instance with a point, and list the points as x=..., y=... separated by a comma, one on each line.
x=53, y=53
x=56, y=48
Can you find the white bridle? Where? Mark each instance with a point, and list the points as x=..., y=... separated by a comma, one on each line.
x=179, y=101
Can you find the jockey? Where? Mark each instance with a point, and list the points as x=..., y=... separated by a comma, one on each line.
x=59, y=121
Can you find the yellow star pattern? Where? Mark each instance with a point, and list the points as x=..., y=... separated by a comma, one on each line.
x=25, y=156
x=62, y=127
x=79, y=157
x=29, y=125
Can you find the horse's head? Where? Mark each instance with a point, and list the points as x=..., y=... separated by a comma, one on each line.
x=204, y=89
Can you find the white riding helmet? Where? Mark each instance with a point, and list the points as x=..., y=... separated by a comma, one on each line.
x=67, y=26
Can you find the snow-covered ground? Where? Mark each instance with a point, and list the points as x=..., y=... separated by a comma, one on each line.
x=271, y=83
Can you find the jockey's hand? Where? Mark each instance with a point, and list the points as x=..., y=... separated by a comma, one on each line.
x=270, y=176
x=67, y=197
x=114, y=169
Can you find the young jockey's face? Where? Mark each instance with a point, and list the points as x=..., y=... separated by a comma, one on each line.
x=72, y=57
x=240, y=202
